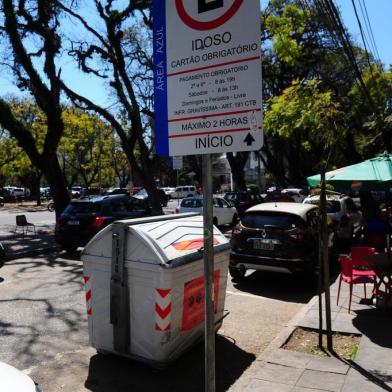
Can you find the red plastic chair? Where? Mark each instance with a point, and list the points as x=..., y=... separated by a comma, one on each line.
x=362, y=267
x=347, y=276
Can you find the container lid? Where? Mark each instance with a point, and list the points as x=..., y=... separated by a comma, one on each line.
x=167, y=240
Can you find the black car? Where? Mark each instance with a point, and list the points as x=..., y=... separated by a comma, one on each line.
x=143, y=195
x=276, y=237
x=85, y=217
x=243, y=200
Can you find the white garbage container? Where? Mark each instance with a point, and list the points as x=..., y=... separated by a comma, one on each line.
x=144, y=282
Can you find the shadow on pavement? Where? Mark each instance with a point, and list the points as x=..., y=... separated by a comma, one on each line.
x=376, y=324
x=278, y=286
x=47, y=316
x=110, y=373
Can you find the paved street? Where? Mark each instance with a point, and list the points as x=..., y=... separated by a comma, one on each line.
x=44, y=331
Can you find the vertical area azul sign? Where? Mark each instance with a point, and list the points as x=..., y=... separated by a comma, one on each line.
x=207, y=76
x=160, y=78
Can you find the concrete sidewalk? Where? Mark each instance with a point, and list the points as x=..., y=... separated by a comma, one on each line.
x=17, y=245
x=279, y=370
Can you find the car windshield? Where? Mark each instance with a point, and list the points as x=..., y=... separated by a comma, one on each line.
x=236, y=196
x=192, y=203
x=260, y=220
x=333, y=206
x=82, y=208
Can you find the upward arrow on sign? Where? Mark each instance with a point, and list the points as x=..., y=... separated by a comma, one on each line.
x=249, y=139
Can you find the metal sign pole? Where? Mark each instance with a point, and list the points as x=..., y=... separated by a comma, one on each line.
x=209, y=325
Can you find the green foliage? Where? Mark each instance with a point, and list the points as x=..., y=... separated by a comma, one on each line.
x=285, y=30
x=88, y=151
x=85, y=149
x=305, y=111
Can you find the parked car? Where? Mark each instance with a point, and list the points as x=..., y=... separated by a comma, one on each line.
x=224, y=213
x=297, y=194
x=337, y=206
x=276, y=237
x=44, y=191
x=75, y=191
x=169, y=191
x=184, y=191
x=13, y=380
x=14, y=192
x=117, y=191
x=243, y=200
x=278, y=196
x=135, y=190
x=83, y=218
x=142, y=194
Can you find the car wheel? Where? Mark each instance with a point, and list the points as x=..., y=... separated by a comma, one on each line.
x=237, y=274
x=234, y=220
x=215, y=221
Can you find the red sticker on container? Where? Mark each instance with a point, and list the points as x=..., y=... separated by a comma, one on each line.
x=193, y=304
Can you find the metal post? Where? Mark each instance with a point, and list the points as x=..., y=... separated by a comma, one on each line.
x=209, y=325
x=178, y=199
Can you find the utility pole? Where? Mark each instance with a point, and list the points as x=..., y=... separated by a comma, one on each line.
x=209, y=322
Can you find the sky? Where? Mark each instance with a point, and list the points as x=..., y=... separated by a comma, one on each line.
x=379, y=12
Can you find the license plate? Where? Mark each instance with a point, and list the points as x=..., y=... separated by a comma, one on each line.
x=263, y=244
x=73, y=222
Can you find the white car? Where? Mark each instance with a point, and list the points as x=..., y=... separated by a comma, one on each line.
x=13, y=380
x=169, y=191
x=297, y=194
x=224, y=213
x=17, y=192
x=337, y=206
x=184, y=191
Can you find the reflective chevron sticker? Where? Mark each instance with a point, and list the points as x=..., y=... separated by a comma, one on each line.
x=87, y=287
x=163, y=308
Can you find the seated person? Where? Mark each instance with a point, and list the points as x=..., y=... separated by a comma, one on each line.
x=376, y=232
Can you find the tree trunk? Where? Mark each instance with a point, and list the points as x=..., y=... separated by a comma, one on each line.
x=54, y=176
x=237, y=164
x=325, y=260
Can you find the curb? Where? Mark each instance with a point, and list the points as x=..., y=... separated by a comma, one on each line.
x=275, y=344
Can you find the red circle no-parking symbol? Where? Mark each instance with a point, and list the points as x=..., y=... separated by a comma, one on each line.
x=206, y=25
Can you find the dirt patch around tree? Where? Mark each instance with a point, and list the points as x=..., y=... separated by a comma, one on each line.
x=304, y=340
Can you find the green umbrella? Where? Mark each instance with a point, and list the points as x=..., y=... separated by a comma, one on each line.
x=372, y=174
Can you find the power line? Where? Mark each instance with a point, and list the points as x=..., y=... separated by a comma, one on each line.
x=334, y=15
x=362, y=34
x=368, y=25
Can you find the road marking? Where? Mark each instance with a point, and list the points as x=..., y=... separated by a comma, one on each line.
x=246, y=295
